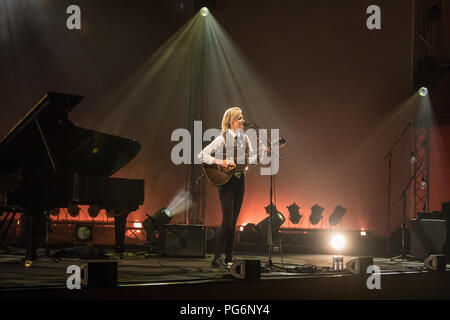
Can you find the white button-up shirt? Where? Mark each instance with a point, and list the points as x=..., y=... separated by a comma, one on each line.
x=217, y=147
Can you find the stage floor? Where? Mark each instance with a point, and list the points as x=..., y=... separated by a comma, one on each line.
x=193, y=278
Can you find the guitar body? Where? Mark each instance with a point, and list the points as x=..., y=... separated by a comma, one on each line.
x=218, y=175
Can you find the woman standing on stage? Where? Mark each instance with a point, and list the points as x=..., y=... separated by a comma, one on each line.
x=231, y=194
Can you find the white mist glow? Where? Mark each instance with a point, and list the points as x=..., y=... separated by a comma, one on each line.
x=180, y=202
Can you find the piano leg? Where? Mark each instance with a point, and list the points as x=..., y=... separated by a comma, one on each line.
x=31, y=235
x=120, y=223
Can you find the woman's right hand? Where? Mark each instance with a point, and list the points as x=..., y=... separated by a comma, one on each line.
x=226, y=163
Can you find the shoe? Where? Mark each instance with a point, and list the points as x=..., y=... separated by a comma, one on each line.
x=218, y=263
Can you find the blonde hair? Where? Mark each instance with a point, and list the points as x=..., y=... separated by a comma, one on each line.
x=229, y=116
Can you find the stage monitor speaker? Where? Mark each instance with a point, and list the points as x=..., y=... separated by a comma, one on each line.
x=183, y=240
x=99, y=274
x=246, y=269
x=435, y=262
x=359, y=265
x=428, y=237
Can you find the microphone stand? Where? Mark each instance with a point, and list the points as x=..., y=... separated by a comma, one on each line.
x=269, y=263
x=389, y=156
x=403, y=254
x=270, y=236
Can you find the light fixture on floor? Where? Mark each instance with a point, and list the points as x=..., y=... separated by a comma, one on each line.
x=294, y=214
x=249, y=234
x=277, y=221
x=54, y=212
x=154, y=227
x=93, y=211
x=246, y=269
x=316, y=214
x=435, y=262
x=83, y=233
x=162, y=216
x=359, y=265
x=73, y=210
x=336, y=216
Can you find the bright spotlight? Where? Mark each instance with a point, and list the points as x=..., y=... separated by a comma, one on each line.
x=204, y=11
x=423, y=91
x=338, y=242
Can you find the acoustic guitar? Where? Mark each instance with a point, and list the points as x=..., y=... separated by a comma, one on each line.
x=218, y=175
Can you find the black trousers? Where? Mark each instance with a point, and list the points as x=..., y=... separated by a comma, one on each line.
x=231, y=195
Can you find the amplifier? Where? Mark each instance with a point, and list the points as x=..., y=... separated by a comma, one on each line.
x=437, y=215
x=183, y=240
x=428, y=236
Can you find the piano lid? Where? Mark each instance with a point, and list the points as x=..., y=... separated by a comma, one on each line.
x=45, y=140
x=58, y=104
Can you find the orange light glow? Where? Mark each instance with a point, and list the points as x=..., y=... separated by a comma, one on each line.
x=241, y=228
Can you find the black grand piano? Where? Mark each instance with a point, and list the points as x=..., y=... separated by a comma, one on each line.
x=49, y=162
